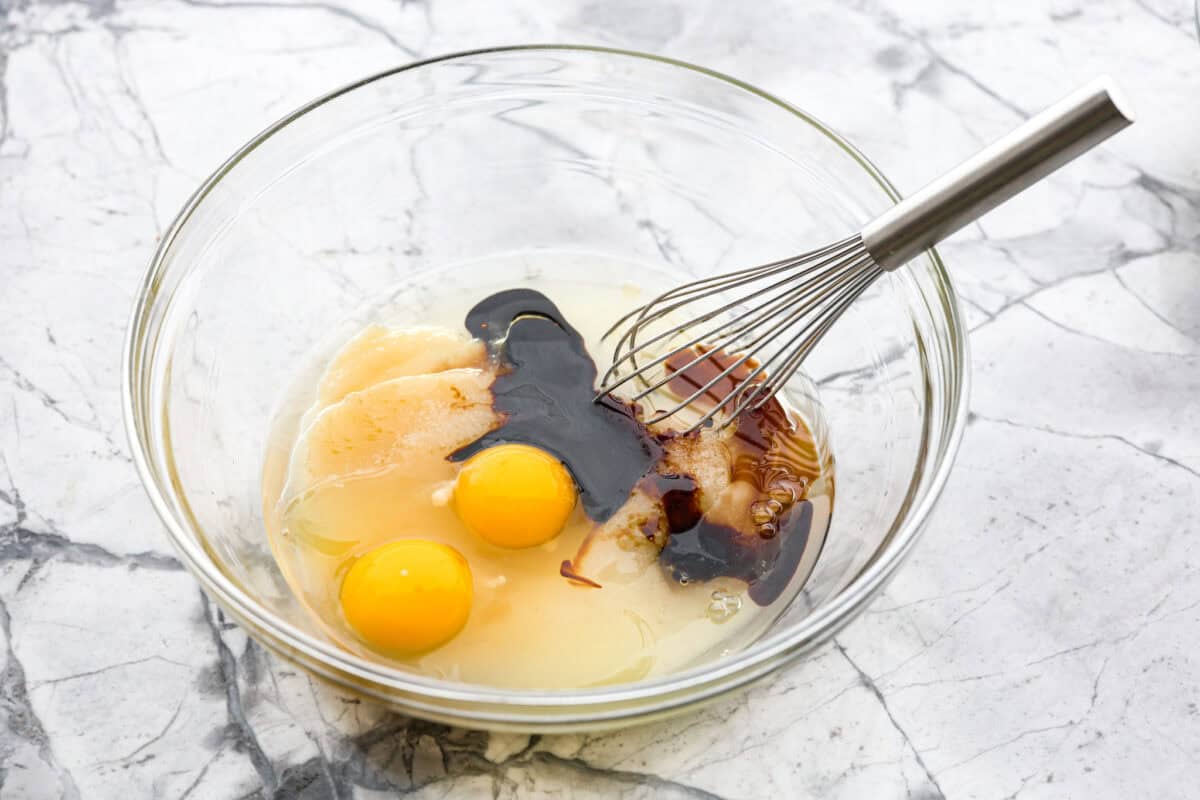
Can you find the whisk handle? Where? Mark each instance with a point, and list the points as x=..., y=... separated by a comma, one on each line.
x=1065, y=130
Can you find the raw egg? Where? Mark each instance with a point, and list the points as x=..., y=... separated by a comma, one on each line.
x=514, y=495
x=408, y=596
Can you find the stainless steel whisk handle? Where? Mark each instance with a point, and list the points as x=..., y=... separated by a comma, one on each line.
x=1041, y=145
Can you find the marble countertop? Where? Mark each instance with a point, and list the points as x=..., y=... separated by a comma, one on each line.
x=1041, y=641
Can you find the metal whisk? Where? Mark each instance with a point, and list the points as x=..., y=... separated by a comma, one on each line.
x=759, y=336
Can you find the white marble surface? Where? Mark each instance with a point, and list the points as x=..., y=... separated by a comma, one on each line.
x=1041, y=642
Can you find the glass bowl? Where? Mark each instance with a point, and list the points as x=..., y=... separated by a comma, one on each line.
x=552, y=152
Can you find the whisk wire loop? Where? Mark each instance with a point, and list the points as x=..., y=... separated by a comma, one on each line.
x=787, y=300
x=627, y=349
x=753, y=392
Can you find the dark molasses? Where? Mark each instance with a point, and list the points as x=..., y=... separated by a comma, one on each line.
x=544, y=391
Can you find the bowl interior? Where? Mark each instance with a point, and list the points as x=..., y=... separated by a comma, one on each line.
x=534, y=156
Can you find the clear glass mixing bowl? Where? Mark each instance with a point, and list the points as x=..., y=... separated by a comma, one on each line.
x=540, y=151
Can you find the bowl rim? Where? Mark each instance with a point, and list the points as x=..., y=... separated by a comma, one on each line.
x=592, y=705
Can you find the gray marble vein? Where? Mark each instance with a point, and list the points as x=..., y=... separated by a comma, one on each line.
x=1039, y=643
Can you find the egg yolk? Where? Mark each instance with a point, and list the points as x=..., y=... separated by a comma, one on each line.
x=514, y=495
x=408, y=596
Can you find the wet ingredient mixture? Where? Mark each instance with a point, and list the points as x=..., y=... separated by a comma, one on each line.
x=455, y=502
